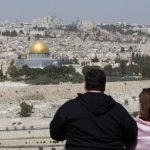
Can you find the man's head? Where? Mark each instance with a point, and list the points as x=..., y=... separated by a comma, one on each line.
x=95, y=79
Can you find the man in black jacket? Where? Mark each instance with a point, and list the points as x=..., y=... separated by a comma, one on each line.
x=93, y=120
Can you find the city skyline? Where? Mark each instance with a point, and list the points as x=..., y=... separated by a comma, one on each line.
x=103, y=11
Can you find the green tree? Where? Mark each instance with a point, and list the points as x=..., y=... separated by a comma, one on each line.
x=95, y=59
x=118, y=60
x=13, y=72
x=122, y=50
x=146, y=71
x=21, y=31
x=133, y=57
x=75, y=61
x=13, y=33
x=38, y=36
x=126, y=102
x=108, y=70
x=72, y=27
x=40, y=148
x=130, y=48
x=6, y=33
x=133, y=69
x=123, y=68
x=25, y=110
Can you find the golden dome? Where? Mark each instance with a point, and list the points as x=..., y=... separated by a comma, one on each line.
x=39, y=47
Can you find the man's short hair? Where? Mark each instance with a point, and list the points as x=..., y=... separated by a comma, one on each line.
x=95, y=79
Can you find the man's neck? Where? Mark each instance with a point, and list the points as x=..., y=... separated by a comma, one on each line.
x=94, y=91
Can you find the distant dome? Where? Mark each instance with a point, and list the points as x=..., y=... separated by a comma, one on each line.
x=39, y=47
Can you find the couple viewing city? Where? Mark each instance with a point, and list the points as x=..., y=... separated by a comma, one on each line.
x=95, y=121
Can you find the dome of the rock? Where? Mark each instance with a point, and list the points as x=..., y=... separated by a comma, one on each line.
x=39, y=47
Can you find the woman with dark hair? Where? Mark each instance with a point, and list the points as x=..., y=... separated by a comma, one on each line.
x=143, y=122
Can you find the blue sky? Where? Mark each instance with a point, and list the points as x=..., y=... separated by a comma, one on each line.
x=107, y=11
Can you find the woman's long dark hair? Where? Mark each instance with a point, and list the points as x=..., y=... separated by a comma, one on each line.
x=144, y=99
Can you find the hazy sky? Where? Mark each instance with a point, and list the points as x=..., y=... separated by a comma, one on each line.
x=107, y=11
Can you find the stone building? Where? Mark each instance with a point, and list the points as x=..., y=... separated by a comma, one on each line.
x=38, y=56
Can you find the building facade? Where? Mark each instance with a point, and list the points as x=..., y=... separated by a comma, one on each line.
x=38, y=57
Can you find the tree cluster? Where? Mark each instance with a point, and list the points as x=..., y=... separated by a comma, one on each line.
x=122, y=72
x=143, y=62
x=139, y=67
x=67, y=61
x=10, y=33
x=48, y=75
x=95, y=59
x=72, y=27
x=125, y=30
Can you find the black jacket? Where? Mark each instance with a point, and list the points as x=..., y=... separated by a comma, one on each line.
x=93, y=121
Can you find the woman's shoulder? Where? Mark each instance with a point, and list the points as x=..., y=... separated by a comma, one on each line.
x=142, y=122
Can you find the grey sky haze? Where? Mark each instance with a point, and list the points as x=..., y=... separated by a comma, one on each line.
x=107, y=11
